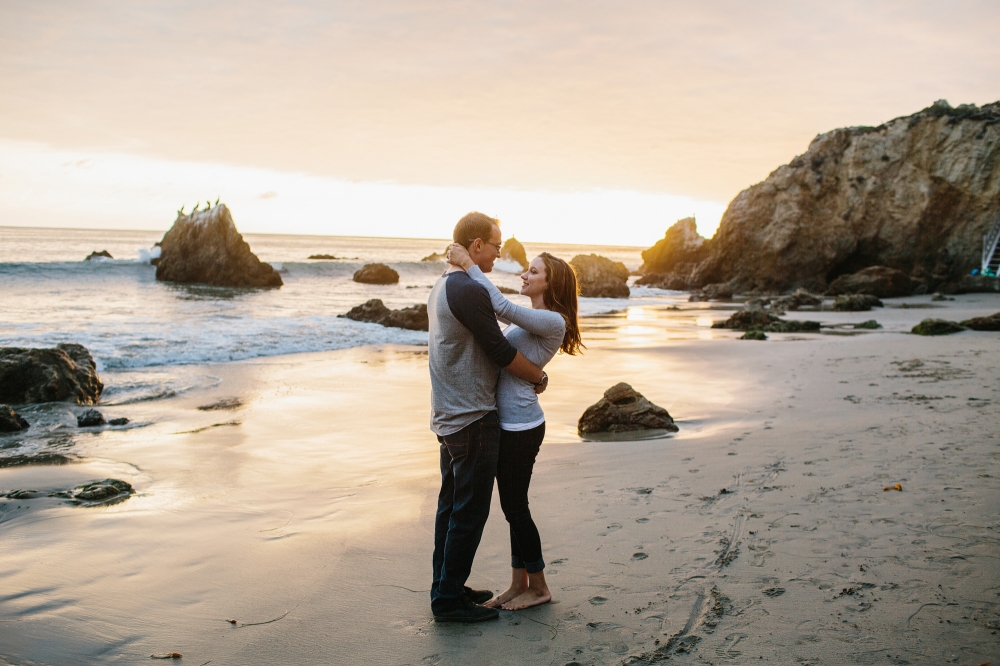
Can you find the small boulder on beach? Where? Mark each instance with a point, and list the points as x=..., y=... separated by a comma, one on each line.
x=871, y=324
x=623, y=409
x=856, y=302
x=512, y=250
x=599, y=277
x=97, y=256
x=96, y=493
x=90, y=418
x=753, y=335
x=67, y=372
x=937, y=327
x=991, y=323
x=376, y=274
x=204, y=247
x=374, y=311
x=11, y=421
x=756, y=319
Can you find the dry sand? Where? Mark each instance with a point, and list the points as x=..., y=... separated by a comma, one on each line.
x=761, y=531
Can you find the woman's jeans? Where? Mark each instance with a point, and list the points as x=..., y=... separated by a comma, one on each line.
x=518, y=451
x=468, y=467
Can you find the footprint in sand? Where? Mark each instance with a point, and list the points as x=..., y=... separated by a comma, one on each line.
x=597, y=601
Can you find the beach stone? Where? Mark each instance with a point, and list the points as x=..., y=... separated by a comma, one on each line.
x=599, y=277
x=878, y=281
x=991, y=323
x=937, y=327
x=120, y=421
x=915, y=194
x=376, y=274
x=11, y=421
x=871, y=324
x=204, y=247
x=374, y=311
x=677, y=253
x=799, y=298
x=856, y=302
x=623, y=409
x=755, y=319
x=95, y=255
x=89, y=419
x=108, y=491
x=753, y=335
x=512, y=250
x=67, y=372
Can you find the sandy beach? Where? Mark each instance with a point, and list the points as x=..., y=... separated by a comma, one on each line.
x=761, y=531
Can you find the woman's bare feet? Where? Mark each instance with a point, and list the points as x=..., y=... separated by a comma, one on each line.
x=518, y=585
x=536, y=594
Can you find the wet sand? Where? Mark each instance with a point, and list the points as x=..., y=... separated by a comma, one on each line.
x=761, y=530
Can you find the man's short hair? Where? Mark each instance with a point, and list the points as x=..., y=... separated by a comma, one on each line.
x=473, y=226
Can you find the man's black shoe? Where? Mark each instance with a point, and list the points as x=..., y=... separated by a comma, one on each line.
x=465, y=611
x=477, y=596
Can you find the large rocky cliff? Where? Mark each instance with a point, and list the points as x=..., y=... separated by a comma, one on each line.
x=916, y=194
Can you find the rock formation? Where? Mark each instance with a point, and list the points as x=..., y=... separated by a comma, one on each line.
x=374, y=311
x=875, y=280
x=97, y=256
x=376, y=274
x=759, y=320
x=678, y=252
x=623, y=409
x=512, y=250
x=437, y=256
x=915, y=194
x=937, y=327
x=204, y=247
x=11, y=421
x=67, y=372
x=991, y=323
x=600, y=277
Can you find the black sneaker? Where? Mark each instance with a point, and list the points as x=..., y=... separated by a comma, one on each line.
x=466, y=612
x=477, y=596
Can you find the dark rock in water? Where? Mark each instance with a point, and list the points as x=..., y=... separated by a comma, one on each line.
x=916, y=194
x=937, y=327
x=226, y=404
x=67, y=372
x=324, y=257
x=991, y=323
x=90, y=418
x=437, y=256
x=34, y=459
x=677, y=252
x=376, y=274
x=713, y=292
x=856, y=302
x=753, y=335
x=205, y=248
x=759, y=320
x=871, y=324
x=11, y=421
x=623, y=409
x=671, y=281
x=374, y=311
x=600, y=277
x=875, y=280
x=512, y=250
x=103, y=254
x=118, y=422
x=108, y=491
x=800, y=298
x=507, y=290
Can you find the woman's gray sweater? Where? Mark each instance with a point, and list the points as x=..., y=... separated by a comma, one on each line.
x=535, y=333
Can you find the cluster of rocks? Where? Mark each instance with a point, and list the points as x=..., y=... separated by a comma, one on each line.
x=374, y=311
x=888, y=211
x=204, y=247
x=623, y=409
x=376, y=274
x=599, y=277
x=755, y=319
x=945, y=327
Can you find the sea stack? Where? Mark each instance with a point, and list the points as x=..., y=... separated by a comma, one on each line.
x=599, y=277
x=204, y=247
x=512, y=250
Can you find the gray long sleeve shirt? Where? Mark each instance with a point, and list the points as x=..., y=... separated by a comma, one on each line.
x=537, y=334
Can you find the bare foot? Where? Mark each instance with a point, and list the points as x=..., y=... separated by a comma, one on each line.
x=511, y=592
x=530, y=597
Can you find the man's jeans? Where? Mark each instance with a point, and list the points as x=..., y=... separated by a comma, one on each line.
x=468, y=467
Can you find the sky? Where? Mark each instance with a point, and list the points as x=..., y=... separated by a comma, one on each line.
x=596, y=122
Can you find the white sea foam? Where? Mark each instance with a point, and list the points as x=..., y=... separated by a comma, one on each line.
x=147, y=256
x=508, y=266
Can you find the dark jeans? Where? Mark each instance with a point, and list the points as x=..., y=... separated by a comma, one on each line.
x=468, y=467
x=518, y=451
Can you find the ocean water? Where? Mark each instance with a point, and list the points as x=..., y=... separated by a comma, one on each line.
x=128, y=320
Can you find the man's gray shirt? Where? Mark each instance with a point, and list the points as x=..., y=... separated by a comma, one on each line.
x=466, y=350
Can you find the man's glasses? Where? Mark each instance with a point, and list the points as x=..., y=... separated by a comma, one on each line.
x=472, y=240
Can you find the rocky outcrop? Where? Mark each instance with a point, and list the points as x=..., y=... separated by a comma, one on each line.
x=623, y=409
x=991, y=323
x=937, y=327
x=437, y=256
x=512, y=250
x=98, y=256
x=67, y=372
x=760, y=320
x=916, y=195
x=11, y=421
x=856, y=303
x=204, y=247
x=678, y=252
x=374, y=311
x=600, y=277
x=376, y=274
x=878, y=281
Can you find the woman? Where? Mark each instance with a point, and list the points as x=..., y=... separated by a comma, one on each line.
x=549, y=326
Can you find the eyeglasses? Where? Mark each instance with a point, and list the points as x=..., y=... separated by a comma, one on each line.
x=472, y=240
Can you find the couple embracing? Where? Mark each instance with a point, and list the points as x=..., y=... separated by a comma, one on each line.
x=484, y=410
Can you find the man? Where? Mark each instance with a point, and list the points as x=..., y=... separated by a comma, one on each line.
x=467, y=351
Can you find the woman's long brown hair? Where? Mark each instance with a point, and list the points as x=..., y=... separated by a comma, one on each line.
x=561, y=295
